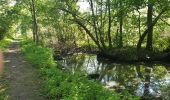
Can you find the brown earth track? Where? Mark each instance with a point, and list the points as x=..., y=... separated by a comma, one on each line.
x=23, y=82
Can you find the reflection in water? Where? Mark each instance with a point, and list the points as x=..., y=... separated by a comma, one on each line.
x=145, y=80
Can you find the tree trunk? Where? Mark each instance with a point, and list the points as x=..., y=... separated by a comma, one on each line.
x=101, y=29
x=94, y=19
x=110, y=24
x=150, y=27
x=89, y=33
x=121, y=27
x=35, y=26
x=139, y=23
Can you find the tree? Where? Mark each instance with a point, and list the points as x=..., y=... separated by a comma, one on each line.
x=35, y=25
x=100, y=18
x=150, y=25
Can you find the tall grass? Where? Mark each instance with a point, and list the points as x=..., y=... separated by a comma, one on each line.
x=4, y=44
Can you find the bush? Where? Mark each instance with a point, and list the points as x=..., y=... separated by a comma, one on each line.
x=37, y=55
x=4, y=44
x=2, y=32
x=65, y=86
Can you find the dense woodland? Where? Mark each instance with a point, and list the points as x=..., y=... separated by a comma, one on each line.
x=119, y=30
x=107, y=25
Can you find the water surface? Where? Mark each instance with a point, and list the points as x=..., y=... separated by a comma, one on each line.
x=138, y=78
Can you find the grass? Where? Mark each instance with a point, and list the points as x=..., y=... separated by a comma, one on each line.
x=3, y=87
x=4, y=44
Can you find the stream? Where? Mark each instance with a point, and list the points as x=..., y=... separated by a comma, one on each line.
x=141, y=79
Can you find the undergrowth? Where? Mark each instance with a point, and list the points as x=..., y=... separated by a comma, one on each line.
x=62, y=85
x=3, y=84
x=4, y=44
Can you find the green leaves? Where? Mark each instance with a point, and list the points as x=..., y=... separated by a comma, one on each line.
x=38, y=55
x=67, y=86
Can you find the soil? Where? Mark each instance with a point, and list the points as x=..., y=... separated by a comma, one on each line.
x=22, y=79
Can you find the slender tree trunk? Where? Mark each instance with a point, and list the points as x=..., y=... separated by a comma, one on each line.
x=121, y=32
x=150, y=27
x=82, y=25
x=110, y=24
x=101, y=29
x=139, y=23
x=89, y=33
x=121, y=27
x=35, y=26
x=94, y=19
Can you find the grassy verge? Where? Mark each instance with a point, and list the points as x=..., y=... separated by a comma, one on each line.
x=4, y=44
x=60, y=85
x=3, y=84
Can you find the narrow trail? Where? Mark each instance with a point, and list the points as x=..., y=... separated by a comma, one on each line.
x=21, y=77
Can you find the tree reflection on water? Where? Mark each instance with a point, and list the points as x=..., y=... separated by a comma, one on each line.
x=150, y=81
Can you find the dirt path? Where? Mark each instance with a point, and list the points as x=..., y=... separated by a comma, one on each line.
x=22, y=78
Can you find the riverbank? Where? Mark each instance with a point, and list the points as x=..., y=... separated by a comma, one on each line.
x=58, y=84
x=131, y=55
x=123, y=55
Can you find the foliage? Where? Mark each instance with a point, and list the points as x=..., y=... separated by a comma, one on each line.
x=37, y=55
x=3, y=96
x=2, y=31
x=3, y=88
x=166, y=93
x=74, y=87
x=4, y=43
x=108, y=24
x=59, y=85
x=121, y=29
x=63, y=85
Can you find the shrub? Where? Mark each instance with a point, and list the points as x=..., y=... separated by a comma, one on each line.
x=37, y=55
x=4, y=44
x=66, y=86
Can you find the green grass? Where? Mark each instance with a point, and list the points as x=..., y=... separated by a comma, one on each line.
x=37, y=55
x=3, y=87
x=58, y=84
x=4, y=44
